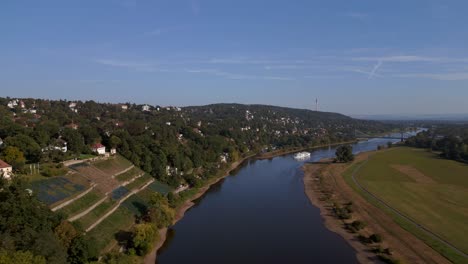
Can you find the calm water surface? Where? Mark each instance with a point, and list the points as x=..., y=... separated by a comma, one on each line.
x=259, y=214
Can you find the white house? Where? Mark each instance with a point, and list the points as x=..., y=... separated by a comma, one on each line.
x=5, y=169
x=124, y=107
x=145, y=108
x=99, y=149
x=1, y=142
x=113, y=151
x=12, y=104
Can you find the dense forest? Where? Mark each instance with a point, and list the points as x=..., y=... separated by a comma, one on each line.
x=448, y=139
x=174, y=145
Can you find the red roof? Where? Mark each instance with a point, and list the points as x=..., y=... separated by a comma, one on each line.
x=98, y=145
x=4, y=165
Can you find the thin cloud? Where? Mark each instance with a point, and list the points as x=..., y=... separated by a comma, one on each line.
x=454, y=76
x=126, y=64
x=410, y=58
x=160, y=31
x=374, y=70
x=357, y=15
x=236, y=76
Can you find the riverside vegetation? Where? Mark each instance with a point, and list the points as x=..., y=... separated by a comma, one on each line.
x=170, y=147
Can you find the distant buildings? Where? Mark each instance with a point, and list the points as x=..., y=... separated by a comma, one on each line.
x=124, y=107
x=6, y=170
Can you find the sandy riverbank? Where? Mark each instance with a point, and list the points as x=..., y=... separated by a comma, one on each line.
x=324, y=185
x=180, y=212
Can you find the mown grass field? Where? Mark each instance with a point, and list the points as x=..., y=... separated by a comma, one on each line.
x=431, y=191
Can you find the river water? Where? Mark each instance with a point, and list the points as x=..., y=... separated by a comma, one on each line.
x=259, y=214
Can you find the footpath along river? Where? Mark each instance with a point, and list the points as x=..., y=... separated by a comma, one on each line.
x=259, y=214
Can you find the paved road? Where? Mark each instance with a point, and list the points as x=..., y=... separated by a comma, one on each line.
x=421, y=227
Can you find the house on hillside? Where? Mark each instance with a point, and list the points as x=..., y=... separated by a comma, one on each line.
x=61, y=145
x=1, y=142
x=12, y=104
x=145, y=108
x=124, y=107
x=113, y=151
x=99, y=149
x=72, y=126
x=6, y=170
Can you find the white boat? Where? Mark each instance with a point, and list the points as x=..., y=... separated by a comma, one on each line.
x=302, y=155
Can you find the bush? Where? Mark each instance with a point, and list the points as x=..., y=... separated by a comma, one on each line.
x=355, y=226
x=376, y=238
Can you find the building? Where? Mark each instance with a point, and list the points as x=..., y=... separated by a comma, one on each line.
x=124, y=107
x=145, y=108
x=99, y=149
x=5, y=169
x=1, y=142
x=61, y=145
x=12, y=104
x=113, y=151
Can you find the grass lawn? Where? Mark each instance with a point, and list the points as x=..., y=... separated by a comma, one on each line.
x=138, y=182
x=159, y=187
x=95, y=214
x=113, y=165
x=82, y=204
x=106, y=232
x=128, y=175
x=430, y=190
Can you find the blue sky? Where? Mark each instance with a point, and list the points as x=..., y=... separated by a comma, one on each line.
x=357, y=57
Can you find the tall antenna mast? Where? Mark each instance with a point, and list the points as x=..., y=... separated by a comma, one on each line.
x=316, y=104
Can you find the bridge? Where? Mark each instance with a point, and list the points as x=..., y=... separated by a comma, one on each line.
x=402, y=135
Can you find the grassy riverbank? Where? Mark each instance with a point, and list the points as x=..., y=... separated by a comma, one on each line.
x=430, y=192
x=350, y=214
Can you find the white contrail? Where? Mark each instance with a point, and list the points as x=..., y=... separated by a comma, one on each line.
x=376, y=67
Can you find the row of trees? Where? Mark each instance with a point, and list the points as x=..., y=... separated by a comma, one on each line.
x=450, y=140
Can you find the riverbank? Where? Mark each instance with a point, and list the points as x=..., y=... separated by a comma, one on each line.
x=181, y=210
x=326, y=188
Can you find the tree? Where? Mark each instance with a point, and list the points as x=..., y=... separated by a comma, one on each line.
x=344, y=154
x=13, y=156
x=20, y=257
x=66, y=232
x=143, y=237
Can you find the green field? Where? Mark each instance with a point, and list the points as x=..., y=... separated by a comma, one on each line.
x=129, y=174
x=81, y=204
x=431, y=191
x=138, y=182
x=113, y=165
x=103, y=234
x=95, y=214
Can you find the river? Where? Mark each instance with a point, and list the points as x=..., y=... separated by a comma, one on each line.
x=259, y=214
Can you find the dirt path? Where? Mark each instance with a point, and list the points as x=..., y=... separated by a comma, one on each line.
x=322, y=180
x=401, y=214
x=117, y=206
